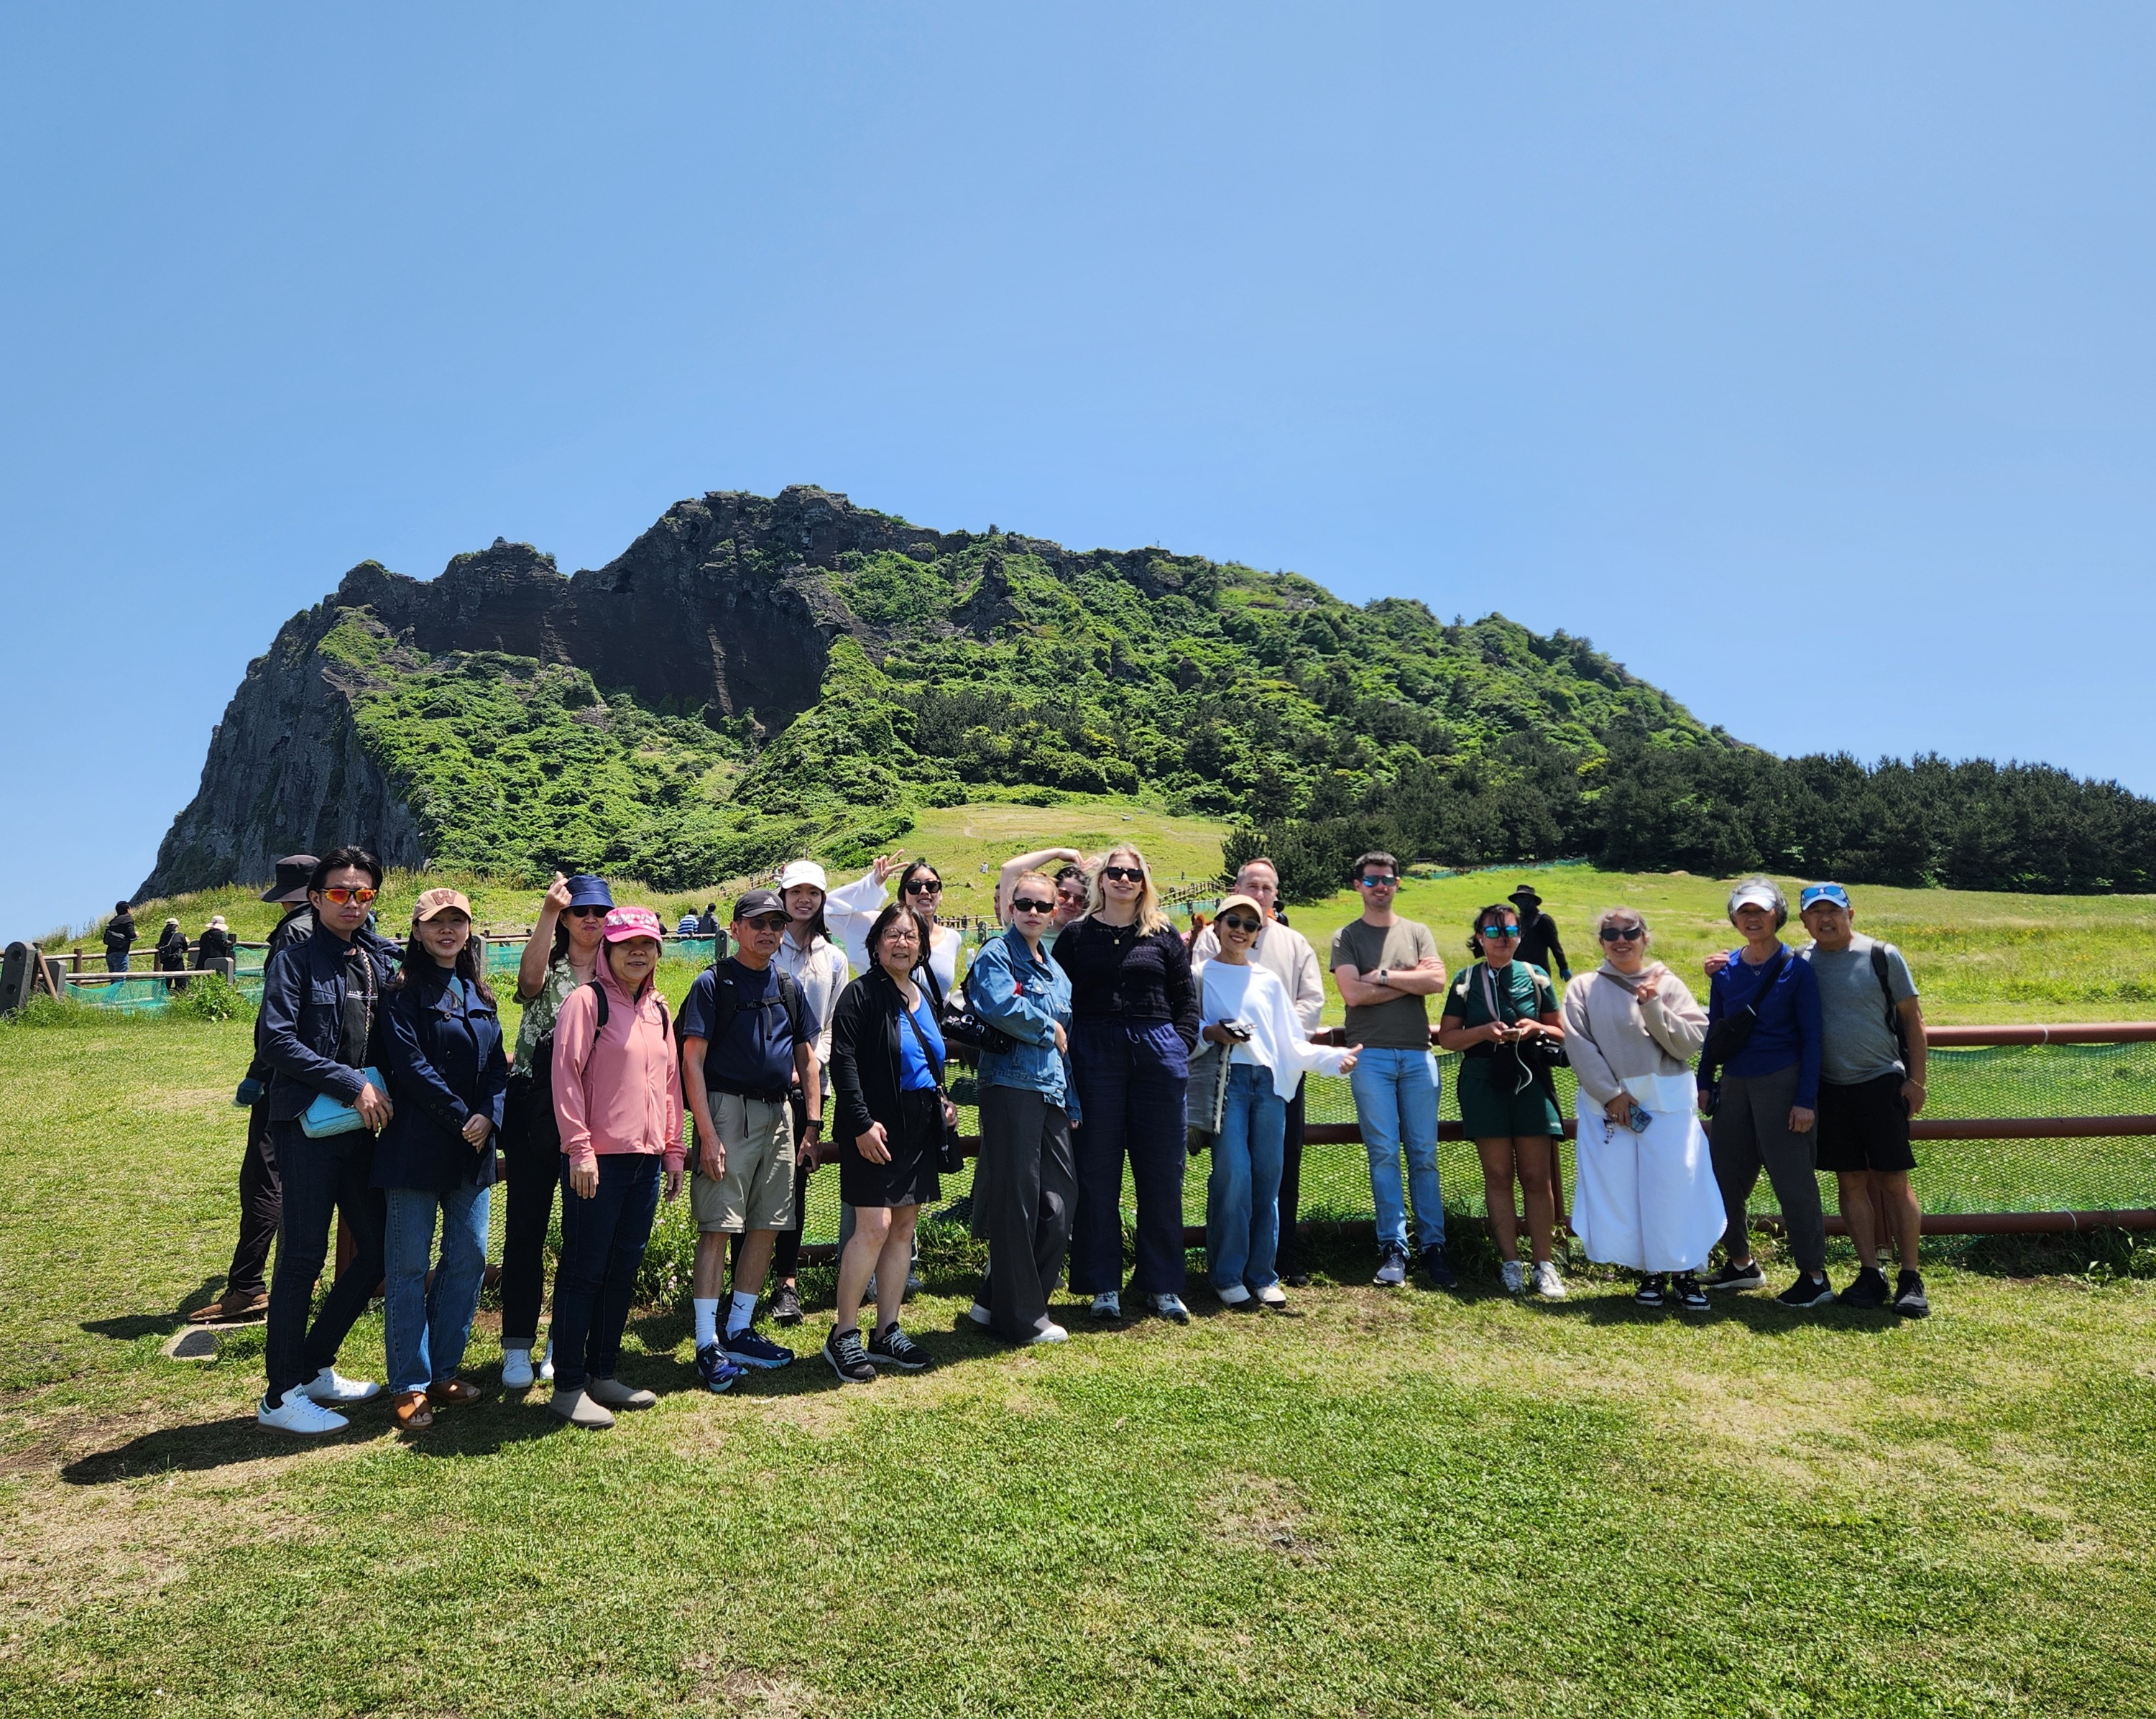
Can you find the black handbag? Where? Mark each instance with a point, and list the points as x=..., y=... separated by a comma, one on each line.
x=962, y=1024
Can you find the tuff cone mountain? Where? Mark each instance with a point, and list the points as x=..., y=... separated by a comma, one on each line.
x=755, y=676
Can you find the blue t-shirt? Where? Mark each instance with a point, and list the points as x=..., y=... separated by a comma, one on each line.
x=914, y=1072
x=758, y=1050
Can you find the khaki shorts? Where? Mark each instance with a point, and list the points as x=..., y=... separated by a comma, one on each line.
x=756, y=1192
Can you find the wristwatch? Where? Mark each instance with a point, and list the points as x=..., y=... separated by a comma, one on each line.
x=1382, y=971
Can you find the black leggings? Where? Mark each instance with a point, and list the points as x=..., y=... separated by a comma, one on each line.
x=532, y=1168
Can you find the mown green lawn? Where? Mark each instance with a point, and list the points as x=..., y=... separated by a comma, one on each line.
x=1388, y=1505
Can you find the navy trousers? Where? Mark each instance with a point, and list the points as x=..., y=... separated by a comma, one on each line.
x=322, y=1179
x=603, y=1242
x=1132, y=1078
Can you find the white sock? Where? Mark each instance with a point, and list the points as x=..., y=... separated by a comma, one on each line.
x=707, y=1320
x=742, y=1314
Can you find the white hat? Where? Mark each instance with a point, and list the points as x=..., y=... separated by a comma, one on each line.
x=1758, y=892
x=802, y=871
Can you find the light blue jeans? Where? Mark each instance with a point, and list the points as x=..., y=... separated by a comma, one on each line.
x=1242, y=1195
x=1396, y=1106
x=424, y=1330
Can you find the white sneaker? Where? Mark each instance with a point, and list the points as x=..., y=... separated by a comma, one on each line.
x=1050, y=1333
x=1273, y=1295
x=1547, y=1284
x=1235, y=1296
x=979, y=1314
x=330, y=1386
x=547, y=1362
x=516, y=1370
x=1171, y=1307
x=299, y=1413
x=1514, y=1275
x=1108, y=1304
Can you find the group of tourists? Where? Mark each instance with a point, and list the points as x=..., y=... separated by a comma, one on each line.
x=1103, y=1044
x=171, y=951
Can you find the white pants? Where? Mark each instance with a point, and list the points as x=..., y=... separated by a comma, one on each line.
x=1649, y=1200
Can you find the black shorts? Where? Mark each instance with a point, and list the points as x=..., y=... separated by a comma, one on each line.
x=1865, y=1126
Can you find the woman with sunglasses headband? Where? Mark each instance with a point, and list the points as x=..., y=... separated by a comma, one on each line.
x=1496, y=1011
x=1137, y=1021
x=1646, y=1196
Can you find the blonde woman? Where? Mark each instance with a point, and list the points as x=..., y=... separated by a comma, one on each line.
x=1646, y=1196
x=1136, y=1020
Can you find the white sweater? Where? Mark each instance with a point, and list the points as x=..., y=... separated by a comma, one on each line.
x=851, y=912
x=1254, y=996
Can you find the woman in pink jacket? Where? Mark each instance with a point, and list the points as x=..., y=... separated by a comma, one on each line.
x=617, y=1099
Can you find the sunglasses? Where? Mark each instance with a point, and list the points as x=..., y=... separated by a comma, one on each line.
x=767, y=922
x=1622, y=933
x=341, y=896
x=1124, y=873
x=1376, y=883
x=1236, y=922
x=1026, y=904
x=587, y=912
x=1500, y=933
x=916, y=887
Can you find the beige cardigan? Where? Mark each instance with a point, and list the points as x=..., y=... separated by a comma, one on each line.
x=1612, y=1036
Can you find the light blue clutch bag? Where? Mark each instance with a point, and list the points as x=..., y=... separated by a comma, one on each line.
x=327, y=1116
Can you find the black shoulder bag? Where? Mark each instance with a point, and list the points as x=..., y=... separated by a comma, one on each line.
x=949, y=1159
x=1728, y=1036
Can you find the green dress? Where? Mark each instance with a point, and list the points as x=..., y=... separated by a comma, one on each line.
x=1500, y=1097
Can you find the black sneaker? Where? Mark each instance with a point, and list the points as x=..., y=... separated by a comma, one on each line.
x=1438, y=1268
x=891, y=1348
x=1909, y=1299
x=1653, y=1291
x=1295, y=1279
x=1685, y=1289
x=749, y=1347
x=1808, y=1291
x=785, y=1308
x=715, y=1371
x=849, y=1359
x=1867, y=1290
x=1747, y=1276
x=1391, y=1268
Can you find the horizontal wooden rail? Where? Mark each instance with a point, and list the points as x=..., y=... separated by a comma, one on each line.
x=2066, y=1033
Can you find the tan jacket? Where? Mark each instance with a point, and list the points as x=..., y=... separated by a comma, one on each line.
x=1611, y=1036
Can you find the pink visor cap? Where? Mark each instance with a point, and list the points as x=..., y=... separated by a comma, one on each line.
x=623, y=923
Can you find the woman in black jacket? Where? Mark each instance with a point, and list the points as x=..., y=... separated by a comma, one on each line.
x=886, y=1080
x=442, y=1054
x=1136, y=1018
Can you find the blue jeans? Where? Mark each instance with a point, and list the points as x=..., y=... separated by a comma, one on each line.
x=1396, y=1106
x=1132, y=1081
x=321, y=1179
x=1242, y=1195
x=424, y=1329
x=603, y=1240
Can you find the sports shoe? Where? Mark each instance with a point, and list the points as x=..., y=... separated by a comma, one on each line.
x=547, y=1362
x=1050, y=1332
x=1910, y=1301
x=1295, y=1279
x=613, y=1393
x=1808, y=1291
x=1169, y=1307
x=516, y=1374
x=891, y=1348
x=980, y=1316
x=1547, y=1284
x=1273, y=1295
x=1654, y=1291
x=1514, y=1276
x=1391, y=1268
x=849, y=1359
x=1438, y=1270
x=717, y=1374
x=1236, y=1296
x=785, y=1308
x=230, y=1307
x=1866, y=1290
x=1690, y=1296
x=330, y=1386
x=749, y=1347
x=1107, y=1305
x=299, y=1413
x=580, y=1410
x=1747, y=1276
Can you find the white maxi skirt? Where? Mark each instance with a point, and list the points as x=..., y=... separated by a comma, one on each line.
x=1648, y=1200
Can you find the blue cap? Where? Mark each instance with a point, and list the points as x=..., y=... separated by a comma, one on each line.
x=1832, y=893
x=586, y=890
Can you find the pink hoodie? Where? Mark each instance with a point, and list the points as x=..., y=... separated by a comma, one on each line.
x=623, y=1093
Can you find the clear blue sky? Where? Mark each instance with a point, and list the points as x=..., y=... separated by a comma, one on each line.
x=1801, y=357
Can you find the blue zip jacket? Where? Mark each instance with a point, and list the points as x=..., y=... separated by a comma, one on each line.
x=1788, y=1030
x=443, y=1056
x=1027, y=1000
x=302, y=1019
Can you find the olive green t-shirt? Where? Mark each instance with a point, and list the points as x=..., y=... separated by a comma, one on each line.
x=1404, y=1024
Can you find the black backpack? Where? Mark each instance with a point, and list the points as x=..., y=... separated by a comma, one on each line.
x=1895, y=1024
x=728, y=1006
x=541, y=1116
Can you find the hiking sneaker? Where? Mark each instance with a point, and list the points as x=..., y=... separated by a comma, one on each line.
x=1391, y=1268
x=1107, y=1305
x=1547, y=1284
x=299, y=1413
x=1747, y=1276
x=749, y=1347
x=1653, y=1291
x=891, y=1348
x=1050, y=1332
x=1690, y=1296
x=1438, y=1268
x=1169, y=1307
x=1514, y=1276
x=1909, y=1299
x=1867, y=1290
x=1808, y=1291
x=785, y=1308
x=848, y=1358
x=329, y=1386
x=517, y=1374
x=717, y=1374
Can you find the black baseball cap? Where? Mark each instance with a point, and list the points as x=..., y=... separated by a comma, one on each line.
x=758, y=902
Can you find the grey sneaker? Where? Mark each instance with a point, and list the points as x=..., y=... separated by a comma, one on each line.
x=579, y=1410
x=1391, y=1268
x=613, y=1393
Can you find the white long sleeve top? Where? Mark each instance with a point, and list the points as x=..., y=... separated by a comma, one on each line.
x=1286, y=953
x=851, y=912
x=1254, y=996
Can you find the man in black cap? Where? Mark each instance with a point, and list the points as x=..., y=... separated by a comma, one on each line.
x=1538, y=938
x=261, y=1198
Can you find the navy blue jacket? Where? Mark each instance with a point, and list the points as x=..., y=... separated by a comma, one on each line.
x=442, y=1054
x=1788, y=1030
x=302, y=1019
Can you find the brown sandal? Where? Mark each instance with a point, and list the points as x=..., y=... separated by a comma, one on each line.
x=414, y=1413
x=453, y=1392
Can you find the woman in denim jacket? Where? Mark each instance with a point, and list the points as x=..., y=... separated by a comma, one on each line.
x=1025, y=1182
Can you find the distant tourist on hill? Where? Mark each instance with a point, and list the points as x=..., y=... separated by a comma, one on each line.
x=442, y=1053
x=1388, y=969
x=562, y=952
x=617, y=1082
x=319, y=1004
x=1136, y=1024
x=119, y=937
x=1647, y=1198
x=260, y=1198
x=1759, y=1079
x=1286, y=954
x=1539, y=944
x=1501, y=1015
x=688, y=925
x=707, y=922
x=217, y=943
x=172, y=953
